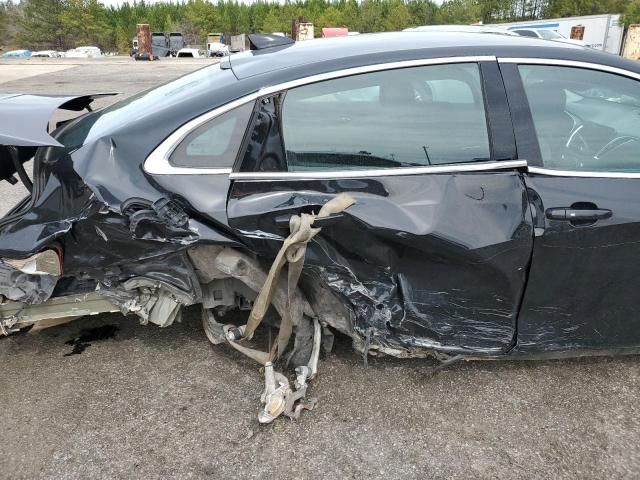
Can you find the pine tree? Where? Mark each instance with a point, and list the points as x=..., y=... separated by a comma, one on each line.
x=272, y=23
x=168, y=23
x=123, y=40
x=632, y=13
x=398, y=17
x=459, y=12
x=41, y=25
x=3, y=22
x=61, y=24
x=85, y=22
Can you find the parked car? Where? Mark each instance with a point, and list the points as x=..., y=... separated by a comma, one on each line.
x=190, y=53
x=17, y=54
x=46, y=54
x=470, y=196
x=84, y=52
x=547, y=34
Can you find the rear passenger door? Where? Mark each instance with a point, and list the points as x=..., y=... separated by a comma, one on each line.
x=435, y=251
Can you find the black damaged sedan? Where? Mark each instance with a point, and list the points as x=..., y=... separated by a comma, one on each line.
x=461, y=195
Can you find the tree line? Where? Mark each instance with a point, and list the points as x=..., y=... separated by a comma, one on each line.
x=63, y=24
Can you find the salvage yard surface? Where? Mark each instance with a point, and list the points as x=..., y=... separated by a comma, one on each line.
x=10, y=74
x=147, y=402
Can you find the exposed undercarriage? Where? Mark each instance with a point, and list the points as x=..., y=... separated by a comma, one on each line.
x=224, y=279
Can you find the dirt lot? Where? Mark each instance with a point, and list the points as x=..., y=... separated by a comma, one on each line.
x=158, y=403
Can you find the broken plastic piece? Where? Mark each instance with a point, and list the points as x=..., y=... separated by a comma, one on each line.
x=276, y=389
x=278, y=397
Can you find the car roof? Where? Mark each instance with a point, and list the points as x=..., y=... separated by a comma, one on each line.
x=328, y=54
x=460, y=28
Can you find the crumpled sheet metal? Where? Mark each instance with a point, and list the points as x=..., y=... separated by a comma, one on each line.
x=86, y=171
x=444, y=261
x=83, y=190
x=62, y=201
x=88, y=221
x=155, y=290
x=385, y=310
x=80, y=189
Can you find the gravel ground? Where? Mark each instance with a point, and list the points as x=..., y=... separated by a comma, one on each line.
x=159, y=403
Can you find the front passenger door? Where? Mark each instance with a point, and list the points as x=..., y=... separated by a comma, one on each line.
x=584, y=184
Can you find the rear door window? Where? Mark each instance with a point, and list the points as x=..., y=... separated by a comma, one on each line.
x=418, y=116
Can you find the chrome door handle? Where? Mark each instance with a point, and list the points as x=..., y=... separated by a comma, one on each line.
x=574, y=214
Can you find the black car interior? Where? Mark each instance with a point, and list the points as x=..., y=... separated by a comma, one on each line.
x=390, y=119
x=581, y=124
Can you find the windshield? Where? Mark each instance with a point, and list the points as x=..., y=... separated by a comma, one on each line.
x=550, y=35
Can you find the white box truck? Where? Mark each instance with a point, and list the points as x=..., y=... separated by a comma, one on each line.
x=602, y=32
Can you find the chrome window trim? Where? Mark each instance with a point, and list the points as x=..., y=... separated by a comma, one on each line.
x=576, y=173
x=383, y=172
x=157, y=163
x=571, y=63
x=379, y=67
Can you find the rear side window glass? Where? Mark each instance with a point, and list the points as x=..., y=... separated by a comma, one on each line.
x=215, y=143
x=585, y=120
x=430, y=115
x=366, y=94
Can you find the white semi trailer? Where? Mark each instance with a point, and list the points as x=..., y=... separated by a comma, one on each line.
x=602, y=32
